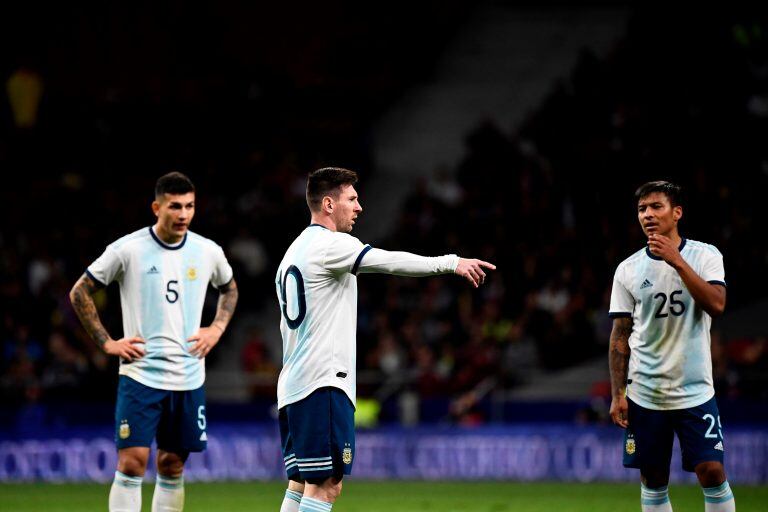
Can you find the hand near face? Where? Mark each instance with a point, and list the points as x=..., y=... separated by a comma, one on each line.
x=664, y=248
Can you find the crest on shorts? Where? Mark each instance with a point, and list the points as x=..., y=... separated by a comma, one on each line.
x=346, y=455
x=125, y=430
x=630, y=446
x=191, y=273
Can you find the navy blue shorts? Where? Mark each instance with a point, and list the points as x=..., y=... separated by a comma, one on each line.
x=176, y=418
x=318, y=436
x=648, y=439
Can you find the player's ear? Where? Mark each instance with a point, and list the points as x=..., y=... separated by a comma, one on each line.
x=677, y=213
x=328, y=204
x=156, y=207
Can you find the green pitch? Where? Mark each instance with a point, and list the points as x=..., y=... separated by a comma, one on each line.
x=384, y=497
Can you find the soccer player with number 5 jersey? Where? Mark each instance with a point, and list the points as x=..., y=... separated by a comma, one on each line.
x=662, y=303
x=316, y=288
x=164, y=272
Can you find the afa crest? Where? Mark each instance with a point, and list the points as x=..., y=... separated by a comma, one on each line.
x=630, y=446
x=346, y=455
x=191, y=273
x=125, y=430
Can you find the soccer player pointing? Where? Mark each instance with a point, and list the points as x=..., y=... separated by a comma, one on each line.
x=316, y=287
x=662, y=303
x=164, y=271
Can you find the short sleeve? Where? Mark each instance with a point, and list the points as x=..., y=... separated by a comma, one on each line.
x=622, y=301
x=712, y=269
x=344, y=254
x=107, y=268
x=222, y=270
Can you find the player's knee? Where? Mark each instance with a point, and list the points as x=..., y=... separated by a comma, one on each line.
x=131, y=465
x=170, y=464
x=296, y=486
x=654, y=478
x=333, y=490
x=710, y=474
x=336, y=488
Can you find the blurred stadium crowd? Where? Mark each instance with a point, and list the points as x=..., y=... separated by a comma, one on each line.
x=552, y=205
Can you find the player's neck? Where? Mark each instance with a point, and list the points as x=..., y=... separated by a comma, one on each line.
x=165, y=236
x=674, y=236
x=326, y=222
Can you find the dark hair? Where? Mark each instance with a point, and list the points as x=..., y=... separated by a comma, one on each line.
x=672, y=191
x=174, y=183
x=327, y=181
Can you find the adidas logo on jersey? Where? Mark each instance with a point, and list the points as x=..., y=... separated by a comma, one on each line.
x=204, y=437
x=153, y=270
x=646, y=284
x=719, y=446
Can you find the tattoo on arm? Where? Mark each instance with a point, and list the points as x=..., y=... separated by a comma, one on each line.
x=226, y=305
x=618, y=359
x=81, y=297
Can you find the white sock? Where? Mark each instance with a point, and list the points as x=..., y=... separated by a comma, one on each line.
x=655, y=500
x=291, y=501
x=313, y=505
x=169, y=494
x=719, y=499
x=125, y=495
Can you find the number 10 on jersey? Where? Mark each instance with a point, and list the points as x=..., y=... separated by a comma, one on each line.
x=296, y=294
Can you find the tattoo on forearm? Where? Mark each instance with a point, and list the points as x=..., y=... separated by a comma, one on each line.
x=618, y=359
x=226, y=305
x=82, y=302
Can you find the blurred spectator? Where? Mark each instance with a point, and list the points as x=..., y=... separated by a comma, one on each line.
x=258, y=366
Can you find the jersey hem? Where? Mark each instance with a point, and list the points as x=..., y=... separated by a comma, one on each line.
x=164, y=387
x=619, y=314
x=670, y=407
x=304, y=393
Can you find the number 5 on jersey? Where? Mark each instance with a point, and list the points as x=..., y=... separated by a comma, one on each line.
x=295, y=293
x=172, y=291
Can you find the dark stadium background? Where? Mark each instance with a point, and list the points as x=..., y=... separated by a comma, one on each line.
x=512, y=132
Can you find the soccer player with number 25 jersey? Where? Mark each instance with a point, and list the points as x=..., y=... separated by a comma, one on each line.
x=663, y=300
x=316, y=287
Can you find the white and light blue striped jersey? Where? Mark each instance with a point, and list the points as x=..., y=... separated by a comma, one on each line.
x=317, y=292
x=162, y=291
x=670, y=365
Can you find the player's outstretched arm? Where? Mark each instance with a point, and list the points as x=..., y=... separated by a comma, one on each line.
x=81, y=297
x=408, y=264
x=618, y=363
x=207, y=337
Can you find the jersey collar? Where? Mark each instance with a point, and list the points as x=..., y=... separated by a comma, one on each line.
x=165, y=245
x=318, y=225
x=659, y=258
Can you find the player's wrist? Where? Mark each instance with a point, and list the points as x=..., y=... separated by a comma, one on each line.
x=218, y=328
x=676, y=262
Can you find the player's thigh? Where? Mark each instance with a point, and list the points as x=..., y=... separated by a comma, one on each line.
x=701, y=435
x=183, y=424
x=648, y=439
x=137, y=413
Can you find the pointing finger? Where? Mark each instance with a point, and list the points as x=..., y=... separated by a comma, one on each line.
x=486, y=264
